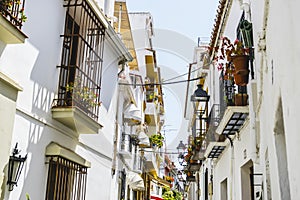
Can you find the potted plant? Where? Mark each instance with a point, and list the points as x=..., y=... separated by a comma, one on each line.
x=233, y=53
x=171, y=194
x=15, y=9
x=157, y=140
x=241, y=99
x=84, y=95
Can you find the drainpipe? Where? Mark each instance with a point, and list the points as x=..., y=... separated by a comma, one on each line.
x=231, y=168
x=252, y=124
x=115, y=141
x=116, y=136
x=120, y=19
x=231, y=192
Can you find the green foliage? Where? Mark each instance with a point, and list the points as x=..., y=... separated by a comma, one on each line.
x=88, y=96
x=171, y=194
x=157, y=139
x=13, y=6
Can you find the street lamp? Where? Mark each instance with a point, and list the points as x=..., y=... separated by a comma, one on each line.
x=200, y=95
x=15, y=167
x=181, y=150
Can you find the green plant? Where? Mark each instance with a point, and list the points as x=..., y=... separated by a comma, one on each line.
x=86, y=95
x=16, y=4
x=169, y=194
x=157, y=139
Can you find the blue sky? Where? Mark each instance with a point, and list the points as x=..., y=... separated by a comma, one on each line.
x=192, y=18
x=177, y=26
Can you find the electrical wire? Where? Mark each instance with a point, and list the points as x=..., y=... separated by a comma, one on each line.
x=188, y=73
x=163, y=83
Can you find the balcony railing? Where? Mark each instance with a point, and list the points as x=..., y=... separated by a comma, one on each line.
x=82, y=93
x=13, y=11
x=231, y=94
x=126, y=147
x=233, y=107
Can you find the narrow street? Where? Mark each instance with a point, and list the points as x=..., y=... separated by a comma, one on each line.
x=149, y=100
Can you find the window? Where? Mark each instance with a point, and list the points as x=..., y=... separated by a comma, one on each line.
x=66, y=179
x=81, y=60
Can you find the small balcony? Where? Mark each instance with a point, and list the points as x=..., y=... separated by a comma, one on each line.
x=126, y=148
x=233, y=107
x=11, y=21
x=151, y=161
x=77, y=105
x=151, y=113
x=78, y=98
x=214, y=143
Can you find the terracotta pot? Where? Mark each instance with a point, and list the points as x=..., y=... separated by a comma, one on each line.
x=241, y=63
x=241, y=78
x=241, y=99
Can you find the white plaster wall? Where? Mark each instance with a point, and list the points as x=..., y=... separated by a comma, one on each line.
x=280, y=76
x=242, y=147
x=221, y=172
x=33, y=66
x=8, y=95
x=282, y=58
x=226, y=162
x=276, y=76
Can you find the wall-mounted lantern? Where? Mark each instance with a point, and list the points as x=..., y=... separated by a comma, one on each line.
x=15, y=167
x=181, y=151
x=200, y=95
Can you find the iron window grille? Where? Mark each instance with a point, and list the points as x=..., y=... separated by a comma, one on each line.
x=66, y=180
x=81, y=60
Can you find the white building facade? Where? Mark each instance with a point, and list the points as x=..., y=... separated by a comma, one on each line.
x=65, y=117
x=256, y=159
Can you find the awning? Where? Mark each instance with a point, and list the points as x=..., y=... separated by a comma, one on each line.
x=144, y=139
x=132, y=112
x=159, y=181
x=135, y=181
x=155, y=197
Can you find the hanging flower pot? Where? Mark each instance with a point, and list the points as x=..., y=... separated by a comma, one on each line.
x=241, y=63
x=241, y=78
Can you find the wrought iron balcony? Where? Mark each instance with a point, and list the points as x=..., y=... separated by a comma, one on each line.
x=13, y=11
x=11, y=21
x=126, y=147
x=211, y=137
x=233, y=107
x=78, y=103
x=151, y=162
x=78, y=100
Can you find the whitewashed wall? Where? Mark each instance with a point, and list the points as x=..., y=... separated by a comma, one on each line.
x=276, y=76
x=33, y=66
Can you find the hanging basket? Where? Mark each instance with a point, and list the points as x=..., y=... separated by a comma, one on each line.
x=241, y=63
